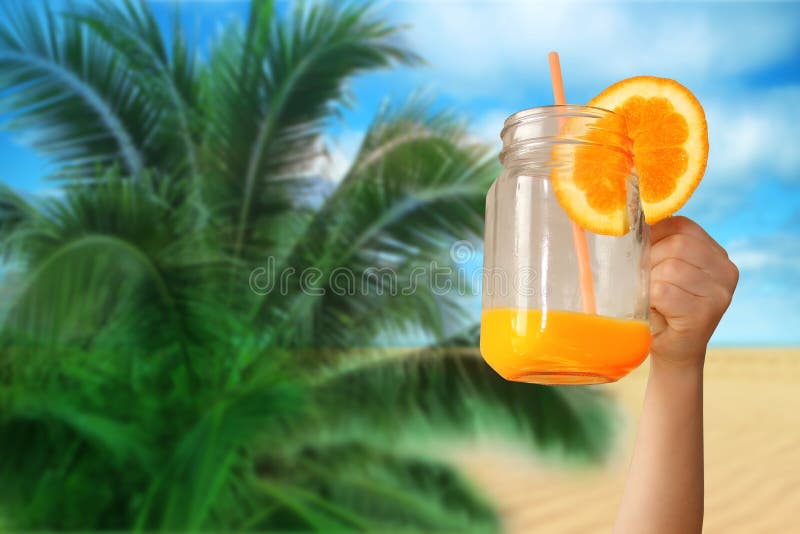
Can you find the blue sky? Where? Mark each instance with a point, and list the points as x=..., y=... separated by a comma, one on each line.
x=487, y=59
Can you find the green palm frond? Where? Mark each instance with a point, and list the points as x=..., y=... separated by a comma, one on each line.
x=74, y=443
x=125, y=430
x=113, y=258
x=276, y=85
x=16, y=213
x=411, y=125
x=213, y=456
x=423, y=166
x=377, y=489
x=416, y=188
x=452, y=392
x=383, y=424
x=70, y=94
x=167, y=72
x=142, y=386
x=36, y=394
x=73, y=292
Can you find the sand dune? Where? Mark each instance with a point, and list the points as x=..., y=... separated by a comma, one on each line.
x=752, y=435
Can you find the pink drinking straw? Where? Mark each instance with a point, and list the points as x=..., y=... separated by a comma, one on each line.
x=578, y=235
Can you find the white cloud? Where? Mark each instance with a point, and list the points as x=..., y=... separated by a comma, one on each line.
x=755, y=135
x=490, y=56
x=491, y=47
x=50, y=192
x=766, y=254
x=754, y=259
x=752, y=137
x=496, y=51
x=342, y=151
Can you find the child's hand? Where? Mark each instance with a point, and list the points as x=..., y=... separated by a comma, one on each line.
x=691, y=285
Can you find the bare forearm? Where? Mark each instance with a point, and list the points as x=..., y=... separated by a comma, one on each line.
x=692, y=281
x=664, y=491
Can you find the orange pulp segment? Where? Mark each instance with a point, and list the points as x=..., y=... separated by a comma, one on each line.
x=669, y=134
x=590, y=177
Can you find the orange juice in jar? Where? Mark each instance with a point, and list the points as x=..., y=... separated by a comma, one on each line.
x=539, y=323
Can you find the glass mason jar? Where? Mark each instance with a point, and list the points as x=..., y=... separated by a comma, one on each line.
x=541, y=321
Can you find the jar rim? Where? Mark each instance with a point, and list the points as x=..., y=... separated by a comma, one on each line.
x=530, y=134
x=551, y=111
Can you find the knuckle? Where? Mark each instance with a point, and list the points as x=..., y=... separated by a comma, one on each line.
x=659, y=291
x=683, y=222
x=734, y=270
x=656, y=289
x=677, y=245
x=725, y=298
x=671, y=268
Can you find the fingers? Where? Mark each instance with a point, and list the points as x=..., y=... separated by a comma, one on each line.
x=682, y=274
x=690, y=249
x=691, y=285
x=679, y=237
x=682, y=225
x=675, y=309
x=688, y=298
x=671, y=300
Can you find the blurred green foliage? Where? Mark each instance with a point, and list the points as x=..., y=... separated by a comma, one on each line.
x=143, y=384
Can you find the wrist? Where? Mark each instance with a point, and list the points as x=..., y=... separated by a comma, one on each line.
x=681, y=384
x=687, y=366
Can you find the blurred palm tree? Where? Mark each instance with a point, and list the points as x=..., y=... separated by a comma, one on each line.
x=143, y=383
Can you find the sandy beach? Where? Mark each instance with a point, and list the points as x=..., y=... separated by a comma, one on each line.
x=752, y=437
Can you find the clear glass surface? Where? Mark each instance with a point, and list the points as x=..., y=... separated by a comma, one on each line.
x=535, y=325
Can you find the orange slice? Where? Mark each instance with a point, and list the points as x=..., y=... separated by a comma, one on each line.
x=590, y=176
x=667, y=127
